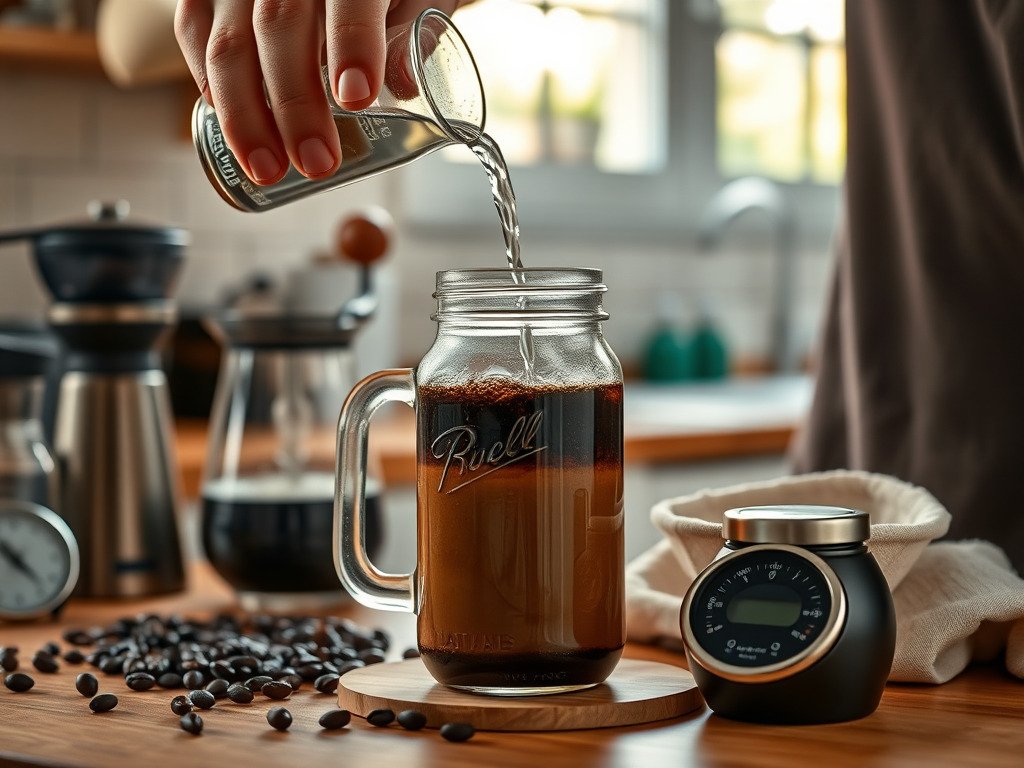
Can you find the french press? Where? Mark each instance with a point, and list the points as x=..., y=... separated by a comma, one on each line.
x=268, y=488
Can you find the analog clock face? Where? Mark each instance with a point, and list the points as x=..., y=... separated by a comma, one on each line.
x=38, y=565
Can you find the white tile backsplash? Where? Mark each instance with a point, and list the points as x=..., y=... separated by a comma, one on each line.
x=65, y=195
x=44, y=117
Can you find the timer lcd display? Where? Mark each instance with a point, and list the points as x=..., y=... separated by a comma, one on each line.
x=772, y=613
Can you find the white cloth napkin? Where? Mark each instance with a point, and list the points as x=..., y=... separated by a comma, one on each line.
x=956, y=602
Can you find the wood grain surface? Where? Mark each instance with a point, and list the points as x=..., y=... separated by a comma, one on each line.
x=976, y=720
x=637, y=692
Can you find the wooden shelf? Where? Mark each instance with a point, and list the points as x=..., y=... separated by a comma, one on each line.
x=42, y=49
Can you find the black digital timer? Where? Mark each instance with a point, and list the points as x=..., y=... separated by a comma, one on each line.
x=793, y=621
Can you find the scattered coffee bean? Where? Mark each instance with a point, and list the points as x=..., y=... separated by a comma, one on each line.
x=457, y=731
x=180, y=705
x=244, y=662
x=191, y=723
x=169, y=680
x=335, y=719
x=327, y=683
x=193, y=680
x=239, y=694
x=51, y=649
x=8, y=661
x=44, y=662
x=87, y=685
x=348, y=666
x=103, y=703
x=279, y=718
x=371, y=656
x=411, y=719
x=202, y=699
x=19, y=682
x=140, y=681
x=255, y=684
x=74, y=656
x=112, y=665
x=293, y=680
x=219, y=688
x=380, y=717
x=276, y=690
x=77, y=637
x=310, y=672
x=410, y=653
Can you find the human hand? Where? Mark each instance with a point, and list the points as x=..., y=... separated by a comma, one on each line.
x=236, y=47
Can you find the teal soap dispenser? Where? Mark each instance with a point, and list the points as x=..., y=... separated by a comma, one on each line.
x=667, y=355
x=708, y=348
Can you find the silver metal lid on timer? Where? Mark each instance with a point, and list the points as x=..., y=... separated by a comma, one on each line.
x=798, y=524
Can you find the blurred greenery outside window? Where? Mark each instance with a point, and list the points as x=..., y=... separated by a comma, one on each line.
x=781, y=90
x=572, y=82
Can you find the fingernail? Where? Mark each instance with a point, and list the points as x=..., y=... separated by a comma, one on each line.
x=315, y=157
x=263, y=164
x=353, y=85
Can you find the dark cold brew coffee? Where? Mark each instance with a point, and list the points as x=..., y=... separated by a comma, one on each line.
x=520, y=534
x=269, y=535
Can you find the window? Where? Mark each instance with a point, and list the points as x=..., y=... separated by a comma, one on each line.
x=622, y=118
x=571, y=82
x=781, y=89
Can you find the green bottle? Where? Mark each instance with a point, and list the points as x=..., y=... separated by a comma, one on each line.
x=708, y=350
x=667, y=356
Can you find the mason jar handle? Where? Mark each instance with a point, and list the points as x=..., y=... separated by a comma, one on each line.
x=369, y=585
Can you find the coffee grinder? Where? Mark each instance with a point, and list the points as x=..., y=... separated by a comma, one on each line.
x=111, y=281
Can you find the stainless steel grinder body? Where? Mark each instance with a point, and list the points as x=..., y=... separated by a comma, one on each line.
x=112, y=438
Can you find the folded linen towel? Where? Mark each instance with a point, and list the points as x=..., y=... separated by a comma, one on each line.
x=955, y=602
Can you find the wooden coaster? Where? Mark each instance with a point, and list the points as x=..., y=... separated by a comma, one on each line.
x=637, y=692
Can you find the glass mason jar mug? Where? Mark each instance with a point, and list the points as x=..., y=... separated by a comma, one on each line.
x=519, y=580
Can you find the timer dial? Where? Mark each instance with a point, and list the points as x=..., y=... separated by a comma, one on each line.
x=38, y=560
x=763, y=612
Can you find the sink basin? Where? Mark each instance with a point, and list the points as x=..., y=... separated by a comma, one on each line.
x=732, y=405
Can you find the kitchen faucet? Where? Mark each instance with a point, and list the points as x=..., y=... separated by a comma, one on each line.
x=730, y=202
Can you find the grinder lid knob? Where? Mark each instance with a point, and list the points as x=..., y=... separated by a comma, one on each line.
x=365, y=236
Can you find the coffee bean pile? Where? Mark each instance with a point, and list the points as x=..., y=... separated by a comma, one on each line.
x=223, y=658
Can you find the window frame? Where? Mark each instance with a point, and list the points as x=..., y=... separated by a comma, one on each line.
x=584, y=202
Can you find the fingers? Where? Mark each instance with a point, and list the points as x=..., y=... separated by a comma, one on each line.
x=287, y=40
x=236, y=85
x=355, y=50
x=192, y=22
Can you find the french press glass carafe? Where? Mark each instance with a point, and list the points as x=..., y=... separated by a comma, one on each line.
x=268, y=489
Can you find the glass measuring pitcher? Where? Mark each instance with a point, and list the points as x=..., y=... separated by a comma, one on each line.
x=519, y=578
x=432, y=97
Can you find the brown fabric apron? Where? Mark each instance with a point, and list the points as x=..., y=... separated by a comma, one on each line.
x=920, y=371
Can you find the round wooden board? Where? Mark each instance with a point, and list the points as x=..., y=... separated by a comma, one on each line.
x=637, y=692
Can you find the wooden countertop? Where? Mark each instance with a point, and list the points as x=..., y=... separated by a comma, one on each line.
x=392, y=440
x=975, y=720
